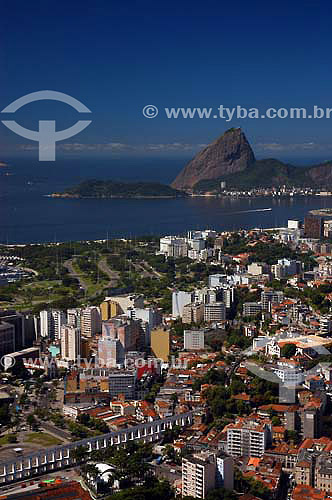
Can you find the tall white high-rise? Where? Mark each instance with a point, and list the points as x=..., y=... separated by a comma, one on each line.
x=70, y=343
x=51, y=322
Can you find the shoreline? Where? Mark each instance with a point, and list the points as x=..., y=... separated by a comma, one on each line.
x=117, y=197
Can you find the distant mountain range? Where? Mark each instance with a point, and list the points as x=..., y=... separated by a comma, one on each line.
x=231, y=159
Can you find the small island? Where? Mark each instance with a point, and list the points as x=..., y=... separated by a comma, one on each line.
x=111, y=189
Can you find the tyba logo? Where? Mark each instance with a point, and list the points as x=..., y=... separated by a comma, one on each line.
x=46, y=136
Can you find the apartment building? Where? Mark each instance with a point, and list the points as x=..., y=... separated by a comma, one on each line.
x=179, y=300
x=214, y=312
x=74, y=317
x=161, y=343
x=248, y=437
x=173, y=246
x=127, y=331
x=251, y=308
x=70, y=339
x=90, y=321
x=7, y=338
x=271, y=297
x=198, y=475
x=194, y=340
x=110, y=352
x=51, y=322
x=193, y=313
x=19, y=323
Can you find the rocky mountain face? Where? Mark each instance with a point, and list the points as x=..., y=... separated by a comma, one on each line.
x=229, y=154
x=321, y=174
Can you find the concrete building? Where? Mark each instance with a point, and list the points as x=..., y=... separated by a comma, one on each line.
x=127, y=301
x=252, y=308
x=149, y=317
x=325, y=325
x=90, y=321
x=51, y=322
x=248, y=437
x=270, y=298
x=214, y=312
x=289, y=375
x=313, y=226
x=122, y=382
x=115, y=306
x=109, y=309
x=217, y=280
x=194, y=340
x=258, y=268
x=127, y=331
x=161, y=343
x=18, y=321
x=179, y=300
x=193, y=313
x=227, y=295
x=224, y=471
x=173, y=246
x=205, y=295
x=285, y=267
x=198, y=475
x=110, y=352
x=70, y=343
x=74, y=317
x=7, y=338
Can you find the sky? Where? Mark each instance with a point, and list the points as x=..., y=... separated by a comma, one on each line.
x=117, y=57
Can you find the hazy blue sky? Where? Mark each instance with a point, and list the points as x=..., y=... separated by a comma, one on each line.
x=117, y=57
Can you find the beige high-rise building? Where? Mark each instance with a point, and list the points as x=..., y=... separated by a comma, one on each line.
x=198, y=475
x=161, y=343
x=193, y=313
x=90, y=321
x=70, y=343
x=114, y=306
x=109, y=309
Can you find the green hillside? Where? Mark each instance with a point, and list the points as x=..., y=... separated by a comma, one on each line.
x=262, y=173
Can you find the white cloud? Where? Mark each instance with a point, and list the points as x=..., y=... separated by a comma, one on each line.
x=305, y=146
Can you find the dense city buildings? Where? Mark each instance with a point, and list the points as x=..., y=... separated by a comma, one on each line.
x=233, y=330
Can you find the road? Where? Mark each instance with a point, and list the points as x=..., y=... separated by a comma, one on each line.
x=113, y=275
x=61, y=433
x=68, y=264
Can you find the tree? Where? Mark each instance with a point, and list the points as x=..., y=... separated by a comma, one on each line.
x=91, y=470
x=153, y=490
x=288, y=350
x=79, y=454
x=292, y=436
x=276, y=421
x=5, y=417
x=170, y=452
x=32, y=422
x=221, y=494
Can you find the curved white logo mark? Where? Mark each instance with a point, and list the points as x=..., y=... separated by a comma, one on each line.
x=46, y=136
